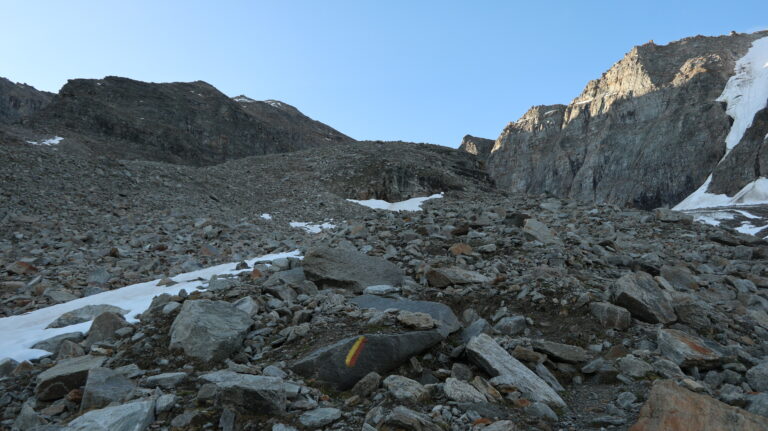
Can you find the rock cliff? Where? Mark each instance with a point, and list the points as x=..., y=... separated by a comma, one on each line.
x=646, y=134
x=19, y=100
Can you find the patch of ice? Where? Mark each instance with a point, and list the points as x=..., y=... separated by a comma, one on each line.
x=244, y=99
x=312, y=227
x=413, y=204
x=20, y=333
x=53, y=141
x=266, y=216
x=712, y=217
x=746, y=93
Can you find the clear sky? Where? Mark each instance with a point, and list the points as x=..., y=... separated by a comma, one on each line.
x=422, y=71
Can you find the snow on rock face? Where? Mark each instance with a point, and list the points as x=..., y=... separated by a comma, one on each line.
x=413, y=204
x=746, y=93
x=23, y=331
x=49, y=142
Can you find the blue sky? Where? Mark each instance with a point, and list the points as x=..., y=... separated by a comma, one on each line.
x=422, y=71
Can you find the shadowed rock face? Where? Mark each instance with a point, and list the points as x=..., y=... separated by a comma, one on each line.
x=646, y=134
x=181, y=122
x=20, y=100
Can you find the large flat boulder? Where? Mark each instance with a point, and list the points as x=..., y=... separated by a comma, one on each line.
x=84, y=314
x=136, y=416
x=672, y=408
x=105, y=386
x=688, y=350
x=444, y=277
x=349, y=269
x=486, y=353
x=246, y=392
x=333, y=364
x=209, y=331
x=68, y=374
x=447, y=320
x=639, y=293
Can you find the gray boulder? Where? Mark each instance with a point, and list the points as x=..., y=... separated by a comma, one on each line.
x=248, y=393
x=448, y=322
x=380, y=353
x=136, y=416
x=444, y=277
x=104, y=327
x=209, y=331
x=563, y=352
x=68, y=374
x=757, y=377
x=611, y=316
x=536, y=230
x=319, y=418
x=688, y=350
x=349, y=269
x=7, y=365
x=639, y=293
x=84, y=314
x=105, y=386
x=52, y=344
x=491, y=357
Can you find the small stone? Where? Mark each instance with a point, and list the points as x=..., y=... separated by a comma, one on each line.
x=462, y=392
x=611, y=316
x=405, y=389
x=511, y=325
x=320, y=417
x=367, y=384
x=416, y=320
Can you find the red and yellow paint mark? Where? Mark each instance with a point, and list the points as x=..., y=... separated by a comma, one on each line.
x=355, y=351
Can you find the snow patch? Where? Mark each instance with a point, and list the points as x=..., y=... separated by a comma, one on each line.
x=746, y=93
x=49, y=142
x=244, y=99
x=312, y=227
x=750, y=229
x=413, y=204
x=266, y=216
x=21, y=332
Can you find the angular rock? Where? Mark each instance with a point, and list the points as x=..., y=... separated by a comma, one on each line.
x=536, y=230
x=611, y=316
x=462, y=392
x=52, y=344
x=69, y=349
x=416, y=320
x=166, y=380
x=403, y=418
x=563, y=352
x=248, y=393
x=670, y=407
x=68, y=374
x=28, y=419
x=510, y=325
x=634, y=367
x=367, y=384
x=379, y=352
x=757, y=377
x=104, y=327
x=349, y=269
x=209, y=331
x=7, y=365
x=447, y=320
x=679, y=277
x=689, y=350
x=105, y=386
x=136, y=416
x=487, y=354
x=405, y=389
x=444, y=277
x=639, y=293
x=479, y=326
x=319, y=418
x=84, y=314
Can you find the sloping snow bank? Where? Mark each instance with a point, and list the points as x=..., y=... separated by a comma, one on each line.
x=20, y=333
x=413, y=204
x=312, y=227
x=53, y=141
x=746, y=93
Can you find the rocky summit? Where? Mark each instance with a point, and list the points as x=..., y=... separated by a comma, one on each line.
x=298, y=283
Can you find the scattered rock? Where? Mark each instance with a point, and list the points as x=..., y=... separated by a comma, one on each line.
x=349, y=269
x=84, y=314
x=639, y=293
x=209, y=331
x=68, y=374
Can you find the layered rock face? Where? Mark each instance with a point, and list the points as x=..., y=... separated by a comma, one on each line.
x=646, y=134
x=20, y=100
x=188, y=123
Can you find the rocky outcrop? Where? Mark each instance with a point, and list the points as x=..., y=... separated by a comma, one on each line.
x=480, y=147
x=181, y=122
x=20, y=100
x=646, y=134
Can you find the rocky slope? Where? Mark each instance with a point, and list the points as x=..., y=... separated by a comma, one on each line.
x=185, y=123
x=490, y=312
x=480, y=147
x=20, y=100
x=646, y=134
